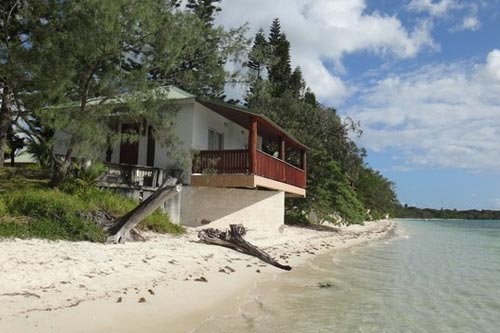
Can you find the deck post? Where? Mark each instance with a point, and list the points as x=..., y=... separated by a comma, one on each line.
x=252, y=145
x=281, y=154
x=303, y=160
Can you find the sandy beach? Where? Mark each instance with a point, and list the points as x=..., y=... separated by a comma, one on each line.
x=167, y=284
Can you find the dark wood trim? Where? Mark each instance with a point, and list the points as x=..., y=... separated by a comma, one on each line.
x=252, y=145
x=129, y=150
x=281, y=154
x=303, y=160
x=150, y=157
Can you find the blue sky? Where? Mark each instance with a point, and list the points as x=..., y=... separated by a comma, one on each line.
x=422, y=77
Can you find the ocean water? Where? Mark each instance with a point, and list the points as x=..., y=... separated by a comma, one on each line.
x=428, y=276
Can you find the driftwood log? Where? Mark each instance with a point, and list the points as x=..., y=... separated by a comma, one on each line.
x=233, y=239
x=123, y=226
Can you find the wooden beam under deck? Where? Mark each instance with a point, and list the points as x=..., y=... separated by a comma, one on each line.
x=246, y=181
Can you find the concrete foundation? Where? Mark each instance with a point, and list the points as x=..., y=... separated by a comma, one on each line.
x=219, y=207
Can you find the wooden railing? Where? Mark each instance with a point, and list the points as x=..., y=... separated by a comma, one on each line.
x=276, y=169
x=133, y=175
x=237, y=161
x=221, y=161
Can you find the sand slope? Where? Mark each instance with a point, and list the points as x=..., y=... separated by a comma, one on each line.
x=166, y=282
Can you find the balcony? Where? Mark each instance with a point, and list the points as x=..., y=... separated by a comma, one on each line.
x=233, y=168
x=132, y=176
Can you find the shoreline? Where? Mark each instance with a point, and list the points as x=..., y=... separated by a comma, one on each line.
x=168, y=281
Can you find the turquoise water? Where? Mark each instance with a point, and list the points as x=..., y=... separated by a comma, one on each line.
x=429, y=276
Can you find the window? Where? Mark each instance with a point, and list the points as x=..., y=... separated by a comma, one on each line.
x=215, y=140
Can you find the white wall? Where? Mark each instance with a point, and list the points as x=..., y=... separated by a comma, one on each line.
x=184, y=132
x=235, y=136
x=255, y=209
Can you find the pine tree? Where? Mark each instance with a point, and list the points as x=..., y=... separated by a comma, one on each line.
x=202, y=72
x=175, y=3
x=258, y=55
x=274, y=33
x=205, y=10
x=13, y=26
x=297, y=83
x=310, y=97
x=280, y=69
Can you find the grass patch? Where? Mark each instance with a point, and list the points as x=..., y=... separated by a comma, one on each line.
x=51, y=214
x=159, y=222
x=30, y=209
x=15, y=178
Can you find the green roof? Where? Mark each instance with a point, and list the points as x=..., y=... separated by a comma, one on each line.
x=166, y=92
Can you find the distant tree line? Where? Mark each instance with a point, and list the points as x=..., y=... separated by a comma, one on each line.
x=430, y=213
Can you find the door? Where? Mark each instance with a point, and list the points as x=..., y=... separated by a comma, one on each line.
x=129, y=151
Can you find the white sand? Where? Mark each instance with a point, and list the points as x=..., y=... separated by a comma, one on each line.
x=85, y=287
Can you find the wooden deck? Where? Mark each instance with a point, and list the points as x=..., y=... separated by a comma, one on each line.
x=231, y=168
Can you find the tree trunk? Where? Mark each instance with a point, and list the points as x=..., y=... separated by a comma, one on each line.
x=12, y=158
x=233, y=239
x=120, y=231
x=5, y=121
x=61, y=168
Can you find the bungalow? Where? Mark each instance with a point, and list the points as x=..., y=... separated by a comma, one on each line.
x=229, y=179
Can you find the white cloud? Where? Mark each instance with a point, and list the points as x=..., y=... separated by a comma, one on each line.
x=442, y=115
x=492, y=68
x=329, y=29
x=463, y=14
x=438, y=8
x=470, y=23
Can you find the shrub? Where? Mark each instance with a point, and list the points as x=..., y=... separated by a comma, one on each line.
x=3, y=208
x=52, y=215
x=295, y=217
x=31, y=209
x=51, y=204
x=160, y=222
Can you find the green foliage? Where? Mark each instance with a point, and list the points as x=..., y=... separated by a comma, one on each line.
x=160, y=223
x=53, y=215
x=258, y=57
x=295, y=217
x=335, y=162
x=205, y=10
x=3, y=208
x=12, y=179
x=31, y=209
x=41, y=149
x=333, y=193
x=279, y=67
x=376, y=192
x=83, y=177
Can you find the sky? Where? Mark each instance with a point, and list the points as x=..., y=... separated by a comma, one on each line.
x=421, y=76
